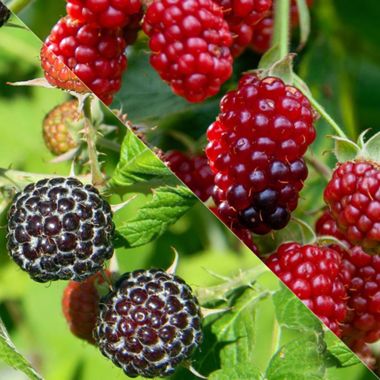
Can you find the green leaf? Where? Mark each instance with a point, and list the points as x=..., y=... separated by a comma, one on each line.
x=293, y=314
x=236, y=329
x=10, y=355
x=345, y=150
x=304, y=17
x=239, y=372
x=300, y=359
x=137, y=165
x=372, y=148
x=166, y=207
x=340, y=351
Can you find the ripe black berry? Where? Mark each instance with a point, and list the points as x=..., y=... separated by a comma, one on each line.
x=149, y=323
x=4, y=14
x=60, y=229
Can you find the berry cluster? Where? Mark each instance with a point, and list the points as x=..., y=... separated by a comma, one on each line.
x=353, y=196
x=242, y=16
x=362, y=278
x=80, y=57
x=193, y=170
x=314, y=274
x=60, y=229
x=190, y=43
x=58, y=131
x=255, y=150
x=149, y=324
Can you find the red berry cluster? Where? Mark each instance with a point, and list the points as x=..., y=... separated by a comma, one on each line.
x=85, y=50
x=314, y=274
x=255, y=150
x=190, y=43
x=362, y=278
x=262, y=32
x=194, y=171
x=242, y=16
x=353, y=196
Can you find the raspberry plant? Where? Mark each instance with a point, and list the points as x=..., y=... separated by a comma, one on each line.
x=134, y=171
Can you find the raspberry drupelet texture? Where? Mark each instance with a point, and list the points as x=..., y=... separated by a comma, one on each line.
x=94, y=55
x=57, y=127
x=362, y=323
x=194, y=171
x=103, y=13
x=313, y=273
x=149, y=324
x=353, y=196
x=80, y=306
x=4, y=14
x=241, y=16
x=60, y=229
x=255, y=150
x=190, y=43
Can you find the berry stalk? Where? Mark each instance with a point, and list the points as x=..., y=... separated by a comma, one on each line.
x=281, y=33
x=91, y=137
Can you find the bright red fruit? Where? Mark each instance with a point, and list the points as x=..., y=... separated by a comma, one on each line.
x=190, y=43
x=362, y=273
x=94, y=55
x=313, y=273
x=104, y=13
x=353, y=196
x=255, y=150
x=241, y=16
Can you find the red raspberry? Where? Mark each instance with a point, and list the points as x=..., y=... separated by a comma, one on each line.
x=353, y=196
x=190, y=41
x=103, y=13
x=255, y=150
x=194, y=171
x=262, y=32
x=241, y=16
x=80, y=306
x=365, y=354
x=313, y=274
x=95, y=56
x=363, y=287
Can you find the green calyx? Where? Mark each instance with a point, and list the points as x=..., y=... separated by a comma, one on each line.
x=347, y=150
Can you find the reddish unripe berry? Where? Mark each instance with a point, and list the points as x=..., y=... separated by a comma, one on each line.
x=103, y=13
x=313, y=274
x=190, y=44
x=255, y=150
x=193, y=170
x=76, y=52
x=353, y=196
x=362, y=277
x=80, y=306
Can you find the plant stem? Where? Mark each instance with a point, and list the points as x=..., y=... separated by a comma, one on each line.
x=318, y=166
x=318, y=107
x=213, y=293
x=91, y=137
x=281, y=33
x=17, y=5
